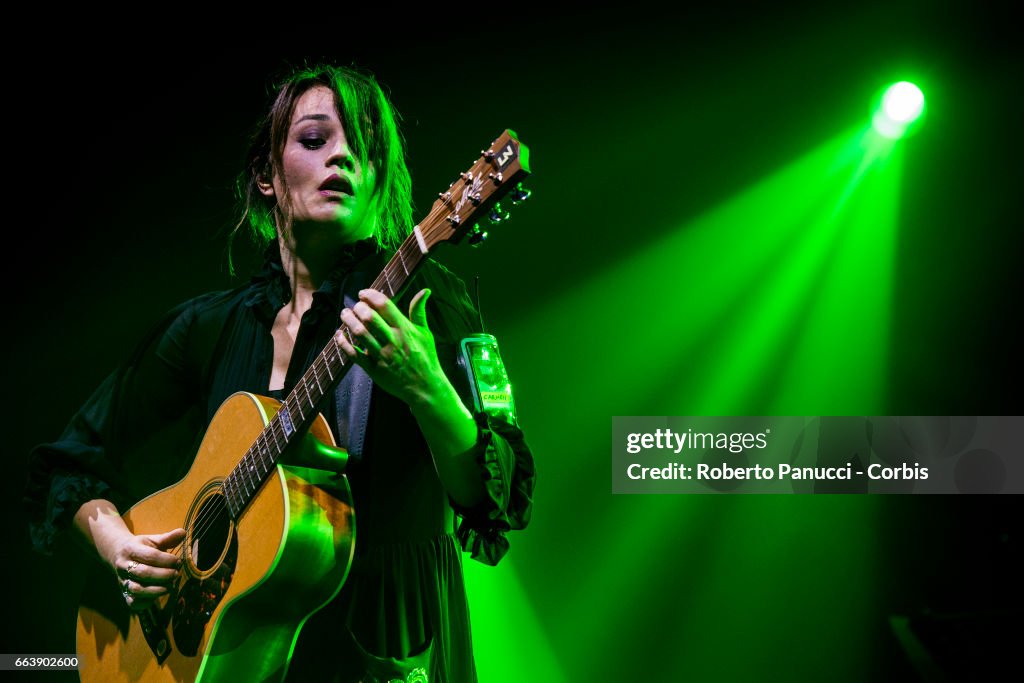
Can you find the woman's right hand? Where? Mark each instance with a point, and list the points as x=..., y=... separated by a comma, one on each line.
x=145, y=567
x=142, y=563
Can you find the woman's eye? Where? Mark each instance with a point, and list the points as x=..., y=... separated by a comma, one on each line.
x=312, y=142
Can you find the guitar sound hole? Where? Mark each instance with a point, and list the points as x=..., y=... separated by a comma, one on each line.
x=211, y=532
x=212, y=554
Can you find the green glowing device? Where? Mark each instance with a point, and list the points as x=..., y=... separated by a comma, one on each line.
x=492, y=393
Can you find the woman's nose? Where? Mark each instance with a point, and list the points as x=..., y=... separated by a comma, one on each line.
x=341, y=156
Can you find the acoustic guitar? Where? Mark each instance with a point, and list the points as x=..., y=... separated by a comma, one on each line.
x=266, y=507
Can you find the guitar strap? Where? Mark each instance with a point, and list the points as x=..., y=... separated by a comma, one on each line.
x=353, y=393
x=352, y=404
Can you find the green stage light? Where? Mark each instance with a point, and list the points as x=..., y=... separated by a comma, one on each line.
x=899, y=110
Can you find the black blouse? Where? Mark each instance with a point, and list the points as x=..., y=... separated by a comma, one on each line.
x=405, y=595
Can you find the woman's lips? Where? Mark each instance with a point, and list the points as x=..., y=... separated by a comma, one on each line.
x=336, y=183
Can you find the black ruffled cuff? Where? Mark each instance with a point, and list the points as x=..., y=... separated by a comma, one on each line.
x=67, y=493
x=508, y=474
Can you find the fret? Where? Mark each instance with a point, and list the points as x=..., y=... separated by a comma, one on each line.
x=263, y=467
x=256, y=470
x=401, y=259
x=387, y=280
x=309, y=399
x=227, y=497
x=297, y=403
x=277, y=442
x=263, y=448
x=342, y=358
x=260, y=455
x=327, y=364
x=249, y=469
x=232, y=507
x=225, y=489
x=247, y=477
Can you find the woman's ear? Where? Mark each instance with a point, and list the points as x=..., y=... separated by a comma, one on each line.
x=266, y=188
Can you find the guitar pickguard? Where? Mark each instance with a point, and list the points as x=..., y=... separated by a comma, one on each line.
x=196, y=599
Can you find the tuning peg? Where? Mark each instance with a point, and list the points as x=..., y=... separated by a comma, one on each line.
x=498, y=214
x=520, y=193
x=477, y=236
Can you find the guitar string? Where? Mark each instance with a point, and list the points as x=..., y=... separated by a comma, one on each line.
x=211, y=514
x=214, y=512
x=318, y=371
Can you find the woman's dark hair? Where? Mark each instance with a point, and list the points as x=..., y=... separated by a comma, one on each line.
x=371, y=127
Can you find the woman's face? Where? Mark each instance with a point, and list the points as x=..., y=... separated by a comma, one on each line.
x=327, y=187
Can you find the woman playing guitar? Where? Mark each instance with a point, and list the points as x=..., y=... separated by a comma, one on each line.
x=327, y=193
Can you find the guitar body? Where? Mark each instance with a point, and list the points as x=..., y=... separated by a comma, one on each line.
x=245, y=588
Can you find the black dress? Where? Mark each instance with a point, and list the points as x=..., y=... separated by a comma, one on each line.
x=403, y=607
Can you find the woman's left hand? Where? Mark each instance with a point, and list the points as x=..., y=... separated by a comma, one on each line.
x=397, y=352
x=400, y=355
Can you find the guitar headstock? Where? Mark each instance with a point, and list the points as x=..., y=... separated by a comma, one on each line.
x=498, y=171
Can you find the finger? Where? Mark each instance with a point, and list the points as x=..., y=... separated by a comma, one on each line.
x=360, y=335
x=168, y=540
x=140, y=571
x=154, y=557
x=383, y=305
x=147, y=575
x=140, y=603
x=418, y=308
x=341, y=337
x=381, y=331
x=138, y=590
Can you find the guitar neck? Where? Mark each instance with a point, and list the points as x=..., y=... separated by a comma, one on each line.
x=300, y=407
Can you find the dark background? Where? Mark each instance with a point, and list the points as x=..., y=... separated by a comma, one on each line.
x=126, y=143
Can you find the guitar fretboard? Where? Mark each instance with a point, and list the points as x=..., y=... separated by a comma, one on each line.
x=299, y=408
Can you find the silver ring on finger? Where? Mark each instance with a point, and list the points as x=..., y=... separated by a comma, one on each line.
x=131, y=568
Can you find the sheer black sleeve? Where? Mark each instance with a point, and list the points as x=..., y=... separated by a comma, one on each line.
x=135, y=434
x=505, y=460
